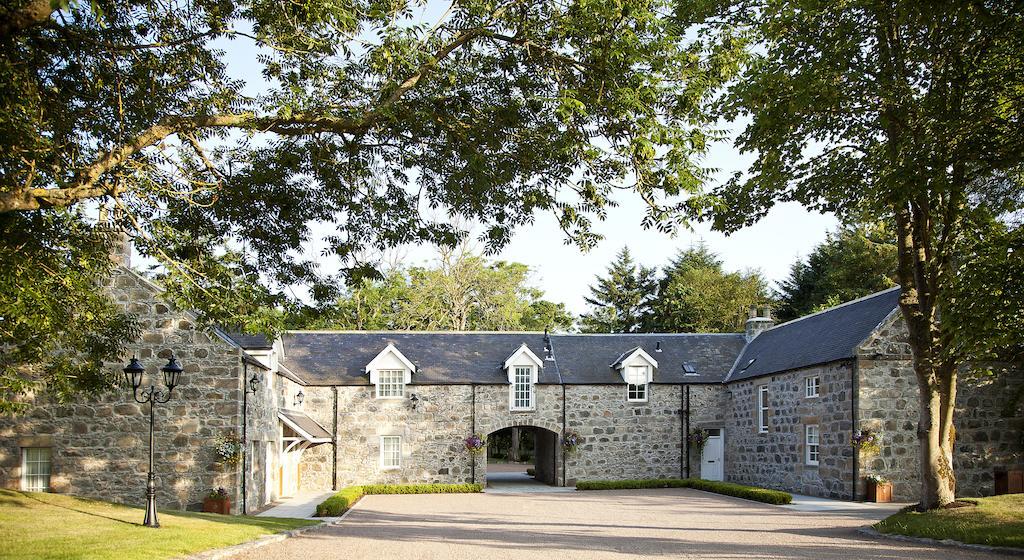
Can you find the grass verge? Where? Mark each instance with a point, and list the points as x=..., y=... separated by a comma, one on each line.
x=765, y=495
x=994, y=521
x=51, y=526
x=346, y=497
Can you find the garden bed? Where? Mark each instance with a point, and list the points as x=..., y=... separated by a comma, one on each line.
x=765, y=495
x=348, y=496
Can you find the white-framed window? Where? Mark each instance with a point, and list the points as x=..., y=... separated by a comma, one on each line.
x=762, y=409
x=811, y=443
x=812, y=386
x=391, y=384
x=35, y=469
x=390, y=452
x=636, y=393
x=522, y=388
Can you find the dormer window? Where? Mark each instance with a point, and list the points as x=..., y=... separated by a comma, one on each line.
x=637, y=370
x=523, y=368
x=390, y=371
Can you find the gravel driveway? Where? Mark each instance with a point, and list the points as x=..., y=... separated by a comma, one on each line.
x=678, y=523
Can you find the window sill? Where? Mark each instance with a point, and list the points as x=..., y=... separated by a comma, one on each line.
x=534, y=409
x=632, y=401
x=811, y=465
x=389, y=398
x=398, y=468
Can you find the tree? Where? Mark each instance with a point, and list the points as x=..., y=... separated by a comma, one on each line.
x=696, y=295
x=892, y=110
x=621, y=301
x=852, y=262
x=357, y=116
x=463, y=292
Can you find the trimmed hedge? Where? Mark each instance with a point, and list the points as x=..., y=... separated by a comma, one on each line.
x=531, y=472
x=765, y=495
x=346, y=497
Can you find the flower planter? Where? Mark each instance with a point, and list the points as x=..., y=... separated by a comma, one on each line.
x=880, y=492
x=211, y=505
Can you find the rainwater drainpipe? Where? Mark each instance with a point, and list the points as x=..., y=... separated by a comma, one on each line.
x=334, y=442
x=472, y=465
x=563, y=435
x=853, y=427
x=245, y=444
x=684, y=424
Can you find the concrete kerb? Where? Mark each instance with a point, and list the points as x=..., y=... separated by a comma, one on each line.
x=227, y=552
x=946, y=542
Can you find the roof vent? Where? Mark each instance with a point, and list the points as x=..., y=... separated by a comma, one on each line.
x=748, y=364
x=689, y=368
x=657, y=346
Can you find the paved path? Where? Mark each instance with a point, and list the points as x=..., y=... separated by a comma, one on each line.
x=519, y=483
x=599, y=525
x=301, y=506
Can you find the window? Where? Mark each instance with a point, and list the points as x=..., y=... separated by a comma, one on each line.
x=390, y=452
x=812, y=386
x=636, y=393
x=522, y=388
x=391, y=384
x=35, y=469
x=762, y=409
x=812, y=444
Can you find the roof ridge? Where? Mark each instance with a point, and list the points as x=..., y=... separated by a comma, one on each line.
x=346, y=331
x=834, y=307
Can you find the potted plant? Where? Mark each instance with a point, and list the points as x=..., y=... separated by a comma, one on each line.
x=228, y=450
x=867, y=441
x=879, y=489
x=217, y=501
x=571, y=441
x=476, y=444
x=697, y=438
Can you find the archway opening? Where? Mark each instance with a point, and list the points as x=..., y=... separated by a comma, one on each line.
x=521, y=455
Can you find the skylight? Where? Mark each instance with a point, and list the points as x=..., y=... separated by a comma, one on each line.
x=689, y=368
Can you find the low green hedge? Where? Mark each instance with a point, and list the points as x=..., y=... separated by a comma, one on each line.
x=346, y=497
x=531, y=472
x=776, y=497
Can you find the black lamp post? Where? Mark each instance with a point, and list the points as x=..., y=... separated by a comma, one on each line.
x=133, y=374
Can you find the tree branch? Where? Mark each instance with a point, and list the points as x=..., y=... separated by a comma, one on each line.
x=33, y=13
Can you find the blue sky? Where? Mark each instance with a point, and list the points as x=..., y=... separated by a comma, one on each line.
x=564, y=272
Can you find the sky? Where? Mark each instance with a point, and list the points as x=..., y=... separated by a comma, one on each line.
x=565, y=273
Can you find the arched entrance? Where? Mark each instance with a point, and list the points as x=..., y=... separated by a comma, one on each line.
x=521, y=455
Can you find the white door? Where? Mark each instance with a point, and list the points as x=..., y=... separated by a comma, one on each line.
x=712, y=458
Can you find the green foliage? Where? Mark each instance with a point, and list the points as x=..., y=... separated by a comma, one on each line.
x=57, y=328
x=344, y=499
x=852, y=262
x=350, y=116
x=621, y=301
x=765, y=495
x=463, y=292
x=696, y=295
x=994, y=521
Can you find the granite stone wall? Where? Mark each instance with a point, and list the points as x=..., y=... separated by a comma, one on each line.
x=777, y=459
x=99, y=445
x=707, y=410
x=989, y=417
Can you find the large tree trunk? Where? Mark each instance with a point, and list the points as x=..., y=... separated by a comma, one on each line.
x=936, y=435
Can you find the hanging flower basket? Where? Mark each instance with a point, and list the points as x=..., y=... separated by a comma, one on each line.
x=697, y=438
x=571, y=441
x=228, y=450
x=476, y=444
x=867, y=441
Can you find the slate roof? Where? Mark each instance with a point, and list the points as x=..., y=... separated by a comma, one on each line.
x=828, y=336
x=587, y=358
x=307, y=424
x=251, y=341
x=340, y=358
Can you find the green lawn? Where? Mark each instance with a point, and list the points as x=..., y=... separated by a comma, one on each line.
x=996, y=521
x=41, y=526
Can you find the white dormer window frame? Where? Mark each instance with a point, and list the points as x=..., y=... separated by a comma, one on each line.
x=523, y=370
x=637, y=371
x=390, y=371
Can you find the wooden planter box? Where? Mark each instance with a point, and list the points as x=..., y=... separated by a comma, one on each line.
x=880, y=492
x=1009, y=481
x=222, y=507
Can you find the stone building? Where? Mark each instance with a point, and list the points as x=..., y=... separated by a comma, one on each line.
x=327, y=409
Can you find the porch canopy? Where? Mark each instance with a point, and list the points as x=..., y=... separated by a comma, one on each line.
x=302, y=431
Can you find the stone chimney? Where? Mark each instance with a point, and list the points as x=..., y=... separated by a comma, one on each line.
x=120, y=243
x=757, y=324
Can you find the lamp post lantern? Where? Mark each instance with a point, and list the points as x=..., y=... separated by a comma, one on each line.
x=133, y=375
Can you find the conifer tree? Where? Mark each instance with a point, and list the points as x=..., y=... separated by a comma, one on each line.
x=620, y=302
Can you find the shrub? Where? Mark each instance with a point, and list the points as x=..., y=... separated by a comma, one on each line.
x=776, y=497
x=531, y=472
x=348, y=496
